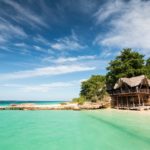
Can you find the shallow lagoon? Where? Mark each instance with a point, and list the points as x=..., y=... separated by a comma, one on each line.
x=74, y=130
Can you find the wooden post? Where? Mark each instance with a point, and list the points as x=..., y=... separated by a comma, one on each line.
x=139, y=100
x=121, y=102
x=137, y=89
x=117, y=102
x=133, y=102
x=127, y=102
x=142, y=101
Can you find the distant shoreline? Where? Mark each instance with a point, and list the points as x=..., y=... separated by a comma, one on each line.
x=62, y=105
x=59, y=106
x=40, y=102
x=23, y=101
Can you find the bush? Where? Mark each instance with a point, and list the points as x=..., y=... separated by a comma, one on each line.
x=63, y=103
x=79, y=100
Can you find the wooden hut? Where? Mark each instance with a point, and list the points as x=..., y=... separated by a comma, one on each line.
x=131, y=92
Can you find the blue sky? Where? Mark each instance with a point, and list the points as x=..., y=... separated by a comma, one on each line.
x=48, y=47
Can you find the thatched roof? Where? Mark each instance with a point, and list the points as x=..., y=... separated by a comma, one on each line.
x=133, y=81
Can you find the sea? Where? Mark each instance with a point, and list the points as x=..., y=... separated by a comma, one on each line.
x=74, y=130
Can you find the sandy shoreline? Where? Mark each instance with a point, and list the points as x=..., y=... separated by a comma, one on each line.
x=67, y=106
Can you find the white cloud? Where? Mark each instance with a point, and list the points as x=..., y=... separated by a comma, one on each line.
x=67, y=43
x=41, y=39
x=82, y=80
x=45, y=71
x=5, y=48
x=109, y=8
x=21, y=45
x=13, y=29
x=23, y=48
x=61, y=60
x=2, y=39
x=11, y=85
x=43, y=87
x=129, y=22
x=25, y=14
x=26, y=49
x=38, y=48
x=48, y=87
x=8, y=30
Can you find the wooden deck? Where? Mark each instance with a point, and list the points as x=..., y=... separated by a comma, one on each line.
x=130, y=92
x=130, y=99
x=137, y=108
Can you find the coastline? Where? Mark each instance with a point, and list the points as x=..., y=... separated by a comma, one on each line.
x=62, y=106
x=68, y=106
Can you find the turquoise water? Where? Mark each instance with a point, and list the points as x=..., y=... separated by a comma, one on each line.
x=7, y=103
x=74, y=130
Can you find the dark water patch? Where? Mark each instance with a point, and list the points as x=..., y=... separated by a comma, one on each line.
x=120, y=128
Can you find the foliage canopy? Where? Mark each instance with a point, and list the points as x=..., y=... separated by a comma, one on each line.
x=127, y=64
x=94, y=88
x=148, y=67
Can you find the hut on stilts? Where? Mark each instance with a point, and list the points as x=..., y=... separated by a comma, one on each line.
x=131, y=93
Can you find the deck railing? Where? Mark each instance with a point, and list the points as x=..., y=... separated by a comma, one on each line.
x=122, y=91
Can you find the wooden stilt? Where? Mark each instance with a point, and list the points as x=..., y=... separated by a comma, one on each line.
x=121, y=102
x=117, y=102
x=139, y=100
x=142, y=101
x=133, y=102
x=127, y=102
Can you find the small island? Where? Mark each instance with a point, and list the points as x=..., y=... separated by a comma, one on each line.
x=125, y=86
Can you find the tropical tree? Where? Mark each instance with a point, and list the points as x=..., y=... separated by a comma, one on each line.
x=148, y=67
x=127, y=64
x=148, y=62
x=94, y=88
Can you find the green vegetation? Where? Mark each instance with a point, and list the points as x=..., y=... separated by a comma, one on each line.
x=93, y=89
x=128, y=64
x=63, y=103
x=80, y=100
x=148, y=67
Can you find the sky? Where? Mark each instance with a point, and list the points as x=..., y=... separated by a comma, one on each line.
x=48, y=47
